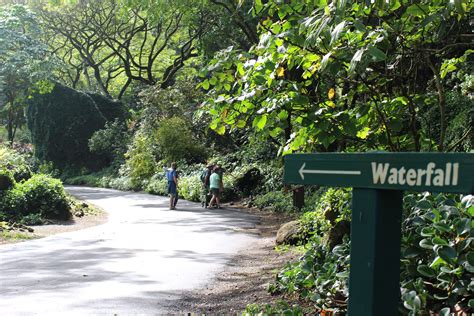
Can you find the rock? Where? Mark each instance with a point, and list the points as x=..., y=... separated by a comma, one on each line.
x=288, y=233
x=79, y=213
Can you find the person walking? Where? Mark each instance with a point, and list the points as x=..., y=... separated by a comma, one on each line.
x=215, y=184
x=205, y=190
x=172, y=176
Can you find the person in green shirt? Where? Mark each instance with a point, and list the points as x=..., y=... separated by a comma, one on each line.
x=215, y=184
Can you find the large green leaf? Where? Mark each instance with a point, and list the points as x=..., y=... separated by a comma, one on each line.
x=447, y=253
x=426, y=271
x=439, y=241
x=262, y=121
x=377, y=54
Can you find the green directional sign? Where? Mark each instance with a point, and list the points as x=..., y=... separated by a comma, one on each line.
x=379, y=180
x=435, y=172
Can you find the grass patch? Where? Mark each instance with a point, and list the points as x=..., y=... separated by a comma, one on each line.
x=15, y=236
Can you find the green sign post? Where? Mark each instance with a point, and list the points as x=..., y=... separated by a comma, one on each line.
x=379, y=180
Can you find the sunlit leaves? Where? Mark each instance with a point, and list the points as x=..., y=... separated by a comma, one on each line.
x=336, y=32
x=328, y=71
x=356, y=59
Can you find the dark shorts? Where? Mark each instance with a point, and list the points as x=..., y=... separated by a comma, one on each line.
x=171, y=188
x=215, y=192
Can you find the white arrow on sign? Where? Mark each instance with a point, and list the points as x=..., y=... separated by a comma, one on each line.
x=302, y=171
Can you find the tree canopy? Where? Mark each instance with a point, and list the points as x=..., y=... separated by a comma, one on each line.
x=336, y=75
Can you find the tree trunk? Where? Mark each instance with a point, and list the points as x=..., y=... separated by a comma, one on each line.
x=441, y=103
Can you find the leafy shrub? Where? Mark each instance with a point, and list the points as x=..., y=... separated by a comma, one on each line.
x=230, y=192
x=45, y=196
x=61, y=123
x=321, y=276
x=436, y=265
x=111, y=142
x=89, y=180
x=277, y=201
x=175, y=142
x=123, y=183
x=189, y=188
x=14, y=162
x=437, y=253
x=158, y=185
x=141, y=163
x=32, y=219
x=47, y=167
x=12, y=204
x=313, y=223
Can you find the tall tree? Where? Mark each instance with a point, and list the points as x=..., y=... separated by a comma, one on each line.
x=123, y=46
x=25, y=64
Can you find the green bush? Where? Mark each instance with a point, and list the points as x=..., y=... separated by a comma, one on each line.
x=321, y=276
x=111, y=142
x=123, y=183
x=45, y=196
x=175, y=142
x=32, y=219
x=277, y=201
x=437, y=253
x=15, y=163
x=313, y=223
x=141, y=163
x=158, y=185
x=189, y=188
x=13, y=203
x=437, y=259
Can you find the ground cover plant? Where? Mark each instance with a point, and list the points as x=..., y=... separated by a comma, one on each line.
x=436, y=260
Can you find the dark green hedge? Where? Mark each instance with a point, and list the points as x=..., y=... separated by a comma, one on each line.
x=61, y=123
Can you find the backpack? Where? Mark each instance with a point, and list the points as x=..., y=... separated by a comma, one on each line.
x=205, y=176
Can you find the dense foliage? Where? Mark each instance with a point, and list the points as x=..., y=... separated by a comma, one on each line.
x=240, y=84
x=436, y=263
x=29, y=198
x=339, y=75
x=62, y=122
x=25, y=64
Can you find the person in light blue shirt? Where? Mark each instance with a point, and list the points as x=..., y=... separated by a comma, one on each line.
x=172, y=177
x=215, y=184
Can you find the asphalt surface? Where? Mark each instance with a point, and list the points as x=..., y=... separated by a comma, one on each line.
x=138, y=263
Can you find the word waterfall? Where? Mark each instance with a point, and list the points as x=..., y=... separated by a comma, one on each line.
x=429, y=176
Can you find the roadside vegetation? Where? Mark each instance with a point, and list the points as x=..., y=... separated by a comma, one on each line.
x=109, y=93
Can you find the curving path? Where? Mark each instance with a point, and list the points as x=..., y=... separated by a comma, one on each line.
x=137, y=263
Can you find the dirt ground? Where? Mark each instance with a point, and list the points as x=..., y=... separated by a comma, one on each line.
x=244, y=280
x=246, y=277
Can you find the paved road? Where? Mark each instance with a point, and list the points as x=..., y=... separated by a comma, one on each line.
x=137, y=263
